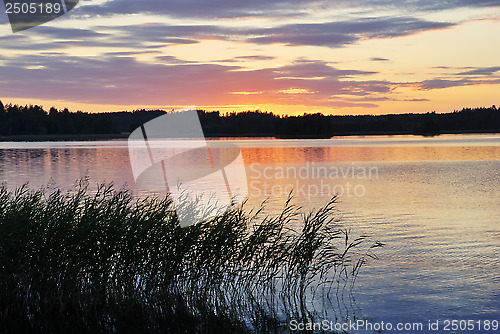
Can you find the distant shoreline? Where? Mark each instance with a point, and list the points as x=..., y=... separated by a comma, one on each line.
x=96, y=137
x=80, y=137
x=33, y=123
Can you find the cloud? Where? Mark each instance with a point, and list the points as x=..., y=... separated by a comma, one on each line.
x=245, y=58
x=341, y=33
x=141, y=37
x=305, y=38
x=481, y=71
x=447, y=83
x=442, y=83
x=456, y=77
x=314, y=69
x=379, y=59
x=56, y=33
x=269, y=9
x=202, y=8
x=124, y=80
x=255, y=58
x=413, y=6
x=115, y=76
x=148, y=36
x=129, y=53
x=173, y=60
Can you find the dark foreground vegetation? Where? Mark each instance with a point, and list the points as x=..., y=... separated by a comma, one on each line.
x=35, y=123
x=101, y=262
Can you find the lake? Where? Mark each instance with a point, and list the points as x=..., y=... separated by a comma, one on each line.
x=434, y=202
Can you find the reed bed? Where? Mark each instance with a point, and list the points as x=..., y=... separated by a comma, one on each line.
x=104, y=262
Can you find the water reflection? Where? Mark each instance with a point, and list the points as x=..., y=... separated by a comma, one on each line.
x=396, y=153
x=434, y=202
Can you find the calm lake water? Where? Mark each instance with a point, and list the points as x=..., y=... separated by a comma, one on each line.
x=434, y=202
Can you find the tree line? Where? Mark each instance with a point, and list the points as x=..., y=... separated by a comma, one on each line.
x=34, y=120
x=18, y=120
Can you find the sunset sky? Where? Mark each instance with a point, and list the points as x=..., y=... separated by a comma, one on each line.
x=285, y=56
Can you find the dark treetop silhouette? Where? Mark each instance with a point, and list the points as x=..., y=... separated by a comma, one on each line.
x=17, y=121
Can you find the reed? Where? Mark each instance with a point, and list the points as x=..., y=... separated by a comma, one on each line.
x=104, y=262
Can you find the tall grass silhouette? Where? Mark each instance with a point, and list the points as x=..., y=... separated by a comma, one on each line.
x=104, y=262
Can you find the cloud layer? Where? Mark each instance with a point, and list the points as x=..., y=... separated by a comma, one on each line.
x=132, y=55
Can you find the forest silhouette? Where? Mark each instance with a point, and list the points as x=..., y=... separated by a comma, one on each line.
x=33, y=120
